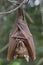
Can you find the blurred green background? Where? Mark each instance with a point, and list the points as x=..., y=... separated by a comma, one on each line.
x=36, y=28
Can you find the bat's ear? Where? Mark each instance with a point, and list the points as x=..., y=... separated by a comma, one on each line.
x=26, y=57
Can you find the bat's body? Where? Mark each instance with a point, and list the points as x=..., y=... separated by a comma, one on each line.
x=21, y=41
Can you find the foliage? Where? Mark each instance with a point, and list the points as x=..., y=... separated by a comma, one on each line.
x=6, y=24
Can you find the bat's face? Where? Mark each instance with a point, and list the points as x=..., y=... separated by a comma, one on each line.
x=21, y=48
x=21, y=51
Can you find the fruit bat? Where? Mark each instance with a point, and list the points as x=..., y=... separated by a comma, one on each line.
x=21, y=44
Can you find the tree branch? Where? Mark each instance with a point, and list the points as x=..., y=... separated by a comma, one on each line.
x=7, y=12
x=4, y=48
x=28, y=16
x=40, y=61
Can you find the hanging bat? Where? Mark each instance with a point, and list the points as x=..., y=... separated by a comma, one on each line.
x=21, y=35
